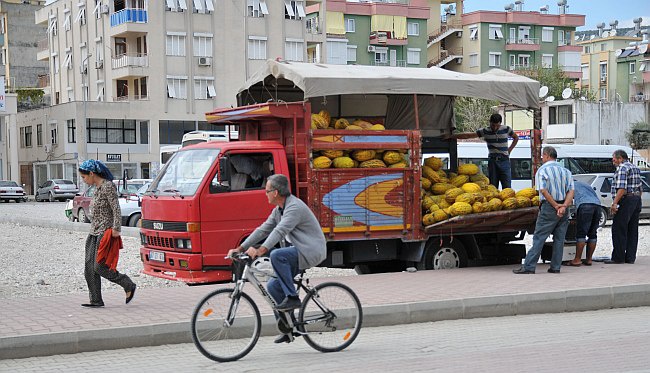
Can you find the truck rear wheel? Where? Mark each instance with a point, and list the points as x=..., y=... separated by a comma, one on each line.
x=451, y=254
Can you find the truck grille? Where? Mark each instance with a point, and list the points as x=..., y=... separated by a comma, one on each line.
x=163, y=242
x=170, y=226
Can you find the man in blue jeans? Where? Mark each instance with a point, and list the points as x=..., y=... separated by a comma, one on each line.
x=556, y=194
x=293, y=221
x=496, y=137
x=587, y=222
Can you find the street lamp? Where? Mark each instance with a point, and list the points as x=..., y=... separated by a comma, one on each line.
x=86, y=93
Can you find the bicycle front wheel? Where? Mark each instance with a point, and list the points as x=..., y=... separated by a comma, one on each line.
x=225, y=327
x=331, y=317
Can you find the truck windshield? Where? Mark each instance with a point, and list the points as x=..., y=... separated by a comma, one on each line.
x=184, y=172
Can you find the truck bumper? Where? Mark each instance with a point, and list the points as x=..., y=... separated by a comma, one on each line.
x=184, y=267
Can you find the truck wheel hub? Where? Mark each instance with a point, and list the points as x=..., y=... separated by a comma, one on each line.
x=446, y=258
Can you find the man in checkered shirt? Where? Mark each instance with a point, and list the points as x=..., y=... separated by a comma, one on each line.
x=626, y=207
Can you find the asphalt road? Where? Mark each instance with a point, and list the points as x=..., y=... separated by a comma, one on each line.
x=615, y=340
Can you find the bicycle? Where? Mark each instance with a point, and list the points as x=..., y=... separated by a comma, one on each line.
x=226, y=323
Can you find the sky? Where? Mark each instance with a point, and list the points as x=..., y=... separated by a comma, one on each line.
x=596, y=10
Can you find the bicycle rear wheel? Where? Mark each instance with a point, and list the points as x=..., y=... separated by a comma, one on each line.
x=331, y=315
x=225, y=328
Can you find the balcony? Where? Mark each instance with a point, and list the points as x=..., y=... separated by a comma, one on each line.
x=522, y=44
x=446, y=56
x=123, y=65
x=398, y=63
x=43, y=50
x=129, y=20
x=130, y=98
x=572, y=72
x=640, y=98
x=385, y=38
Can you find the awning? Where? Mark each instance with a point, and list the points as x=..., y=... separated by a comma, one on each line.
x=321, y=80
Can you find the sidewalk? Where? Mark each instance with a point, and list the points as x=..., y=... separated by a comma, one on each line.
x=58, y=324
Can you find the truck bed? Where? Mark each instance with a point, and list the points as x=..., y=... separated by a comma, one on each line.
x=487, y=222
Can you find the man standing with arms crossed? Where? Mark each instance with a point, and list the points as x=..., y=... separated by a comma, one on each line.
x=496, y=137
x=556, y=194
x=626, y=207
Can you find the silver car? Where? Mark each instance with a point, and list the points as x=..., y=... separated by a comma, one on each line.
x=56, y=190
x=602, y=184
x=11, y=191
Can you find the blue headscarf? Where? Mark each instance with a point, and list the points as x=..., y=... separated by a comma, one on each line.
x=97, y=167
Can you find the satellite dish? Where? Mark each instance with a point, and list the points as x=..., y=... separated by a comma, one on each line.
x=605, y=34
x=612, y=32
x=618, y=52
x=592, y=37
x=643, y=48
x=550, y=99
x=543, y=91
x=566, y=93
x=576, y=38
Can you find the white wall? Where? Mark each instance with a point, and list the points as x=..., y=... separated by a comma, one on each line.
x=598, y=121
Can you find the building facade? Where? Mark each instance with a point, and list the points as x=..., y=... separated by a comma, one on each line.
x=518, y=41
x=372, y=32
x=128, y=76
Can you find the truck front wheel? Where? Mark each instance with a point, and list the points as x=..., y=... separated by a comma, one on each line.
x=451, y=254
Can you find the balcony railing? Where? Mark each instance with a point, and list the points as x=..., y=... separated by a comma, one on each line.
x=131, y=98
x=130, y=60
x=572, y=69
x=523, y=41
x=131, y=15
x=314, y=26
x=639, y=98
x=43, y=81
x=399, y=63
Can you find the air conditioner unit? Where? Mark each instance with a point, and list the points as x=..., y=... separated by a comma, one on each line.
x=99, y=64
x=372, y=48
x=105, y=9
x=459, y=60
x=205, y=61
x=603, y=78
x=459, y=34
x=605, y=142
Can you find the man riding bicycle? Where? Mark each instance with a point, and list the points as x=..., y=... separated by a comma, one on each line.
x=293, y=221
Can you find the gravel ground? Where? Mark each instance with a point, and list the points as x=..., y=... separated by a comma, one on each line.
x=51, y=261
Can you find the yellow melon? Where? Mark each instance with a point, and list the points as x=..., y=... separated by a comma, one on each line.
x=363, y=124
x=353, y=127
x=377, y=127
x=322, y=162
x=343, y=162
x=471, y=188
x=527, y=192
x=510, y=203
x=465, y=197
x=495, y=204
x=428, y=219
x=478, y=197
x=331, y=154
x=451, y=194
x=425, y=183
x=459, y=180
x=399, y=165
x=507, y=193
x=523, y=202
x=363, y=155
x=392, y=157
x=433, y=162
x=319, y=121
x=373, y=163
x=478, y=207
x=441, y=188
x=535, y=201
x=468, y=169
x=326, y=115
x=440, y=215
x=460, y=208
x=341, y=124
x=444, y=204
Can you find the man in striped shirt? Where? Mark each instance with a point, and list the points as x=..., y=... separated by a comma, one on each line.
x=496, y=137
x=556, y=191
x=626, y=207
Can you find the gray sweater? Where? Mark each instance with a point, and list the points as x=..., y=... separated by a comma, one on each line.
x=297, y=224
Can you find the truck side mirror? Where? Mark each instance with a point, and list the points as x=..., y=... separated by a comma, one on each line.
x=224, y=169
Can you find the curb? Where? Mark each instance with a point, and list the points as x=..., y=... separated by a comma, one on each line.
x=385, y=315
x=66, y=225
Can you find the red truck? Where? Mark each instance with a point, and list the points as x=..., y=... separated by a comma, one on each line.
x=210, y=197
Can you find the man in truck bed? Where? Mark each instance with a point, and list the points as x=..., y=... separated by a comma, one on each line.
x=291, y=220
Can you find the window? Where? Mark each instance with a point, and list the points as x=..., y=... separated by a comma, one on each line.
x=413, y=56
x=337, y=51
x=632, y=67
x=473, y=33
x=512, y=35
x=294, y=50
x=99, y=50
x=602, y=47
x=547, y=61
x=144, y=132
x=560, y=38
x=202, y=45
x=55, y=63
x=257, y=8
x=524, y=34
x=203, y=6
x=120, y=46
x=473, y=60
x=247, y=171
x=66, y=23
x=413, y=29
x=111, y=131
x=176, y=5
x=97, y=10
x=22, y=137
x=144, y=92
x=71, y=94
x=603, y=93
x=68, y=60
x=603, y=71
x=587, y=49
x=352, y=53
x=72, y=131
x=81, y=14
x=175, y=44
x=100, y=91
x=52, y=27
x=513, y=61
x=39, y=135
x=560, y=114
x=204, y=88
x=177, y=87
x=54, y=136
x=547, y=34
x=585, y=72
x=524, y=60
x=495, y=59
x=350, y=26
x=28, y=136
x=495, y=32
x=256, y=48
x=294, y=9
x=381, y=56
x=643, y=66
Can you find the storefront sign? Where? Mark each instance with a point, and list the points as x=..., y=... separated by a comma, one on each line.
x=113, y=157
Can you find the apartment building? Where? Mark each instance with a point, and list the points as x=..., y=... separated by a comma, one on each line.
x=445, y=28
x=613, y=64
x=518, y=40
x=128, y=76
x=369, y=32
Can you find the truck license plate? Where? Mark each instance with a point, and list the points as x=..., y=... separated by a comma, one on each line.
x=157, y=256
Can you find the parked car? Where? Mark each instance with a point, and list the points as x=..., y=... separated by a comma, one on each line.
x=129, y=207
x=132, y=186
x=602, y=184
x=10, y=190
x=56, y=190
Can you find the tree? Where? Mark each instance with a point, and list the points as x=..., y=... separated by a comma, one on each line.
x=638, y=135
x=473, y=113
x=556, y=81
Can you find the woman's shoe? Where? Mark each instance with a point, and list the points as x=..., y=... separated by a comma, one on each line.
x=93, y=305
x=128, y=298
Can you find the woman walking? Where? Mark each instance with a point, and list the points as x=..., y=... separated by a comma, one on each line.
x=103, y=242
